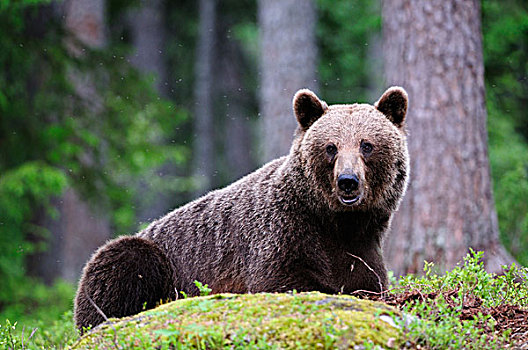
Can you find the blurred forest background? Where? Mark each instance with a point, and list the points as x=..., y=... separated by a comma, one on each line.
x=113, y=112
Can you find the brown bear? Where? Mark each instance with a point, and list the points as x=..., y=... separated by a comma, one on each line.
x=311, y=220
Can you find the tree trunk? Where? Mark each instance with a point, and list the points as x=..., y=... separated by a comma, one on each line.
x=288, y=63
x=148, y=37
x=204, y=141
x=86, y=21
x=236, y=100
x=85, y=228
x=433, y=48
x=74, y=235
x=80, y=228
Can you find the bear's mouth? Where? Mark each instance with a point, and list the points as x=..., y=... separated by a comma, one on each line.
x=349, y=200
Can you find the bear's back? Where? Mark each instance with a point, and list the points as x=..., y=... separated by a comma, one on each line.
x=214, y=233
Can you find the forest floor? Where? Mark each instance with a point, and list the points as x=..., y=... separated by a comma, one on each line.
x=463, y=308
x=507, y=319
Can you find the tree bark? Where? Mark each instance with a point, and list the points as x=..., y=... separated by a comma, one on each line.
x=204, y=141
x=147, y=26
x=433, y=48
x=288, y=63
x=148, y=37
x=74, y=235
x=80, y=228
x=86, y=21
x=236, y=102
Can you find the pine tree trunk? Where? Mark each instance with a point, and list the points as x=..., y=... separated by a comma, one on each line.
x=85, y=227
x=433, y=48
x=147, y=25
x=204, y=141
x=288, y=63
x=236, y=102
x=86, y=21
x=80, y=228
x=148, y=37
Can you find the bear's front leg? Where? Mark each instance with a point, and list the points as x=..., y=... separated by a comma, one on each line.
x=123, y=277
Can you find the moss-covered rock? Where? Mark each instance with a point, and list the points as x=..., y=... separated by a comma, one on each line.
x=253, y=321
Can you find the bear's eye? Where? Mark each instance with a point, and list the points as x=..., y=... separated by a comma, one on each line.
x=331, y=150
x=366, y=147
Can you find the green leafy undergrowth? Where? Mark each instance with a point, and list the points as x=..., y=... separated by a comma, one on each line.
x=38, y=334
x=253, y=321
x=460, y=309
x=40, y=317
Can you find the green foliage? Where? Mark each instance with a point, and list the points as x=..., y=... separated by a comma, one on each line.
x=440, y=328
x=33, y=301
x=505, y=29
x=203, y=288
x=509, y=165
x=505, y=39
x=71, y=116
x=22, y=190
x=345, y=30
x=58, y=334
x=43, y=317
x=472, y=277
x=181, y=49
x=439, y=302
x=90, y=115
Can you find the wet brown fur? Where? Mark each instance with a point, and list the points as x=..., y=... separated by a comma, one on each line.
x=280, y=228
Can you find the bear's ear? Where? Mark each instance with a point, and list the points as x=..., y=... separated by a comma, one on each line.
x=393, y=103
x=307, y=108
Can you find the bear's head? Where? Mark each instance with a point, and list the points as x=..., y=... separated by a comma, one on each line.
x=354, y=156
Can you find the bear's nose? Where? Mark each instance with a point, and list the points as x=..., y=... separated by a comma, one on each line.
x=348, y=182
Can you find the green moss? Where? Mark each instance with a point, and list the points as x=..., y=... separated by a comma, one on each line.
x=252, y=321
